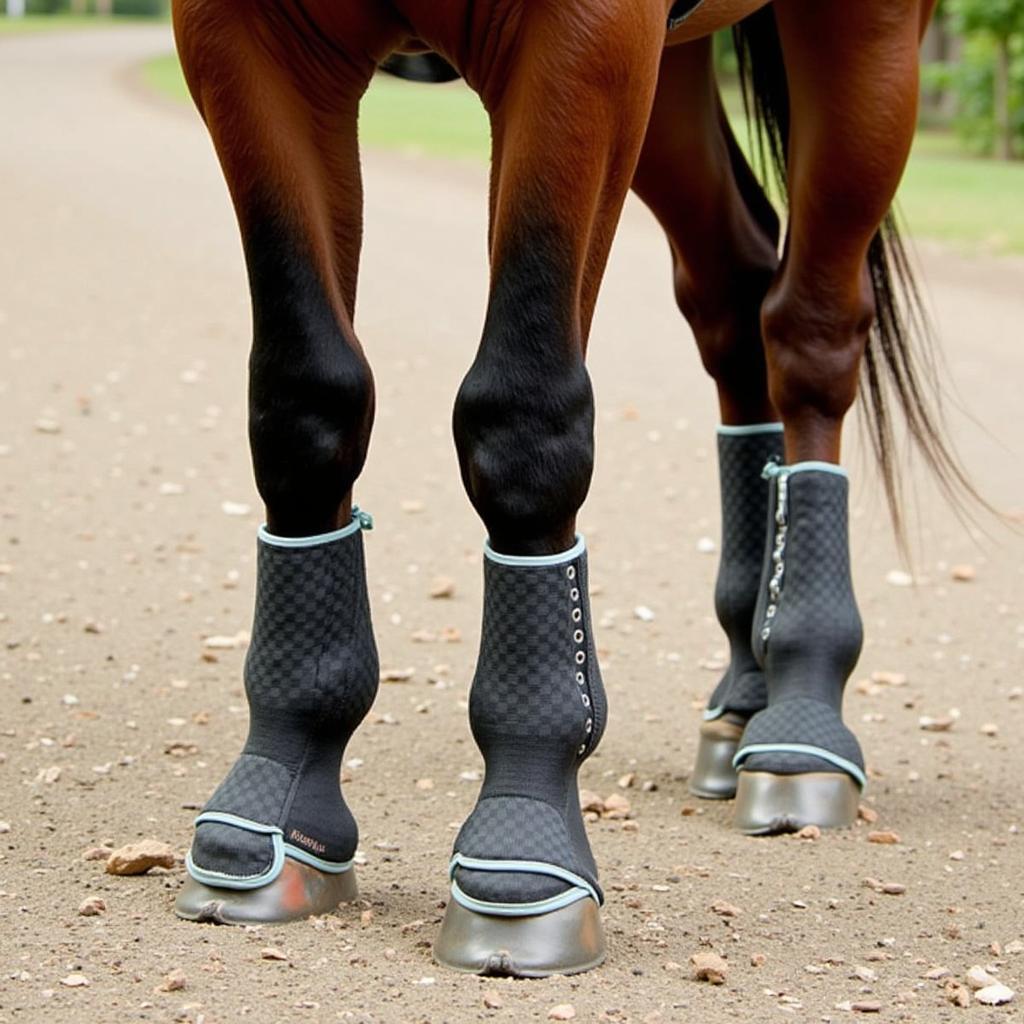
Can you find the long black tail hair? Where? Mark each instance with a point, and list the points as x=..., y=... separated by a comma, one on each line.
x=894, y=369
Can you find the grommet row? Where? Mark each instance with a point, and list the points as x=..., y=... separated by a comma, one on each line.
x=579, y=638
x=778, y=553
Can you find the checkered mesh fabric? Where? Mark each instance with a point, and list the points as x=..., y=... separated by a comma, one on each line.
x=310, y=676
x=744, y=498
x=537, y=710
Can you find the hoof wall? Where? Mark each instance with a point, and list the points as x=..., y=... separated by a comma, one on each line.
x=768, y=804
x=298, y=892
x=714, y=777
x=565, y=941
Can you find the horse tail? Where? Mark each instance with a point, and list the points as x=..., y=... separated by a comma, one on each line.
x=894, y=370
x=419, y=67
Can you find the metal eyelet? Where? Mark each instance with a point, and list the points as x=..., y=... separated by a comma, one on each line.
x=574, y=594
x=586, y=701
x=581, y=679
x=577, y=614
x=580, y=657
x=578, y=636
x=571, y=572
x=582, y=750
x=590, y=726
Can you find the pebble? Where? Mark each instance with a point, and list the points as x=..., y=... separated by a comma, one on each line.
x=93, y=906
x=493, y=1001
x=994, y=995
x=706, y=546
x=138, y=858
x=442, y=587
x=627, y=780
x=808, y=832
x=563, y=1011
x=866, y=1006
x=885, y=678
x=227, y=643
x=5, y=827
x=97, y=853
x=956, y=993
x=943, y=723
x=591, y=801
x=643, y=613
x=174, y=981
x=989, y=729
x=899, y=578
x=868, y=814
x=47, y=426
x=884, y=838
x=963, y=573
x=616, y=808
x=978, y=977
x=273, y=953
x=724, y=909
x=397, y=675
x=75, y=981
x=709, y=967
x=425, y=784
x=235, y=508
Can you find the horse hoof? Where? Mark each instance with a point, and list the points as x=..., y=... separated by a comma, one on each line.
x=298, y=891
x=714, y=777
x=565, y=941
x=769, y=804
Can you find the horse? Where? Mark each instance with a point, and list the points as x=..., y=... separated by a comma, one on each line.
x=586, y=101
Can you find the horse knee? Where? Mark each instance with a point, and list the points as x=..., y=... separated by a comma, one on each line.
x=526, y=448
x=311, y=396
x=814, y=340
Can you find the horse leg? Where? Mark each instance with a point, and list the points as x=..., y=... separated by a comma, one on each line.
x=568, y=124
x=723, y=237
x=275, y=842
x=852, y=73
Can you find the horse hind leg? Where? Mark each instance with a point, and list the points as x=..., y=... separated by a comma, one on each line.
x=799, y=763
x=723, y=235
x=568, y=126
x=276, y=840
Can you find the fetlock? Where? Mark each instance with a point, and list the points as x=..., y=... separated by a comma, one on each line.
x=742, y=454
x=537, y=711
x=311, y=675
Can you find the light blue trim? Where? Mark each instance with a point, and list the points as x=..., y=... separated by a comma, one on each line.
x=564, y=899
x=581, y=888
x=710, y=714
x=326, y=866
x=821, y=467
x=219, y=879
x=536, y=561
x=360, y=521
x=745, y=430
x=849, y=767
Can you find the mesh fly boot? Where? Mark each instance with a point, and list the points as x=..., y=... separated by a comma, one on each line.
x=798, y=763
x=276, y=840
x=524, y=892
x=743, y=452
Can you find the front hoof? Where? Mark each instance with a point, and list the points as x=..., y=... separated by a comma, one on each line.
x=565, y=941
x=299, y=891
x=769, y=804
x=714, y=777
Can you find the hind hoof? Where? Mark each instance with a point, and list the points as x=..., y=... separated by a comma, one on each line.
x=714, y=777
x=769, y=804
x=565, y=941
x=299, y=891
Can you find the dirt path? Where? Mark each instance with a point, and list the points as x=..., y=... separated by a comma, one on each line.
x=123, y=333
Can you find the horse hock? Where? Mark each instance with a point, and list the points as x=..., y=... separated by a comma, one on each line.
x=798, y=762
x=276, y=840
x=743, y=452
x=524, y=890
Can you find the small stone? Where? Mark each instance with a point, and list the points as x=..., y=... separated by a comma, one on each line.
x=706, y=546
x=366, y=917
x=868, y=814
x=758, y=959
x=442, y=587
x=627, y=780
x=235, y=508
x=936, y=973
x=175, y=981
x=866, y=1006
x=884, y=838
x=1014, y=948
x=5, y=827
x=273, y=953
x=942, y=723
x=709, y=967
x=723, y=909
x=45, y=425
x=994, y=995
x=956, y=855
x=97, y=853
x=563, y=1011
x=884, y=678
x=138, y=858
x=989, y=729
x=893, y=888
x=616, y=808
x=809, y=832
x=397, y=675
x=865, y=974
x=425, y=784
x=978, y=977
x=956, y=993
x=643, y=613
x=227, y=643
x=963, y=573
x=899, y=578
x=591, y=801
x=93, y=906
x=493, y=1001
x=75, y=981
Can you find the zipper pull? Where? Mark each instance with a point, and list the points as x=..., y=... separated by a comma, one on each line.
x=364, y=519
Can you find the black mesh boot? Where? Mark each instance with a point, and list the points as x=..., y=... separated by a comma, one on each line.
x=276, y=840
x=798, y=763
x=524, y=887
x=742, y=454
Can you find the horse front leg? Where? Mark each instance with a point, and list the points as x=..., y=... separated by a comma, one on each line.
x=568, y=123
x=852, y=73
x=275, y=841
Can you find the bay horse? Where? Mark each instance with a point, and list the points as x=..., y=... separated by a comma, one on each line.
x=587, y=99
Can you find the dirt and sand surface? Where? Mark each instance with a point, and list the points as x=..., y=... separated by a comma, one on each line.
x=128, y=520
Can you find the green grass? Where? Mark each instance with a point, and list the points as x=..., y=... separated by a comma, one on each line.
x=33, y=23
x=974, y=204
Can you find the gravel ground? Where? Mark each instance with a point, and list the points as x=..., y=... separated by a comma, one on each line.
x=128, y=519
